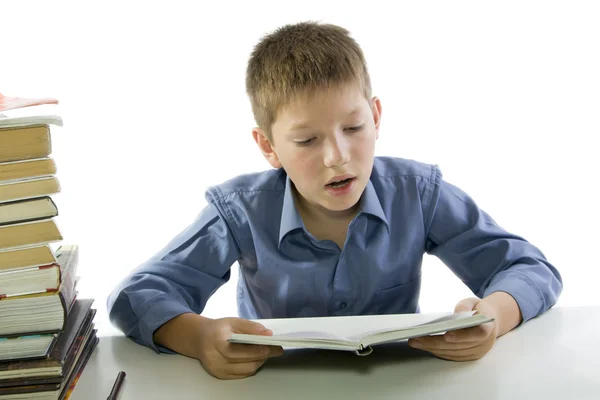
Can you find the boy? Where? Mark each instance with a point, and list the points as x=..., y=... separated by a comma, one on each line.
x=331, y=230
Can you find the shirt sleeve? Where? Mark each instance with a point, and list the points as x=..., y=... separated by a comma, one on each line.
x=486, y=257
x=177, y=280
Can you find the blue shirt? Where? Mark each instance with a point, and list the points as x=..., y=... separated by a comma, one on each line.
x=407, y=209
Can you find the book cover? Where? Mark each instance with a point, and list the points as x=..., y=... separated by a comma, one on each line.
x=29, y=210
x=26, y=347
x=29, y=188
x=27, y=169
x=26, y=257
x=24, y=143
x=78, y=370
x=29, y=233
x=5, y=392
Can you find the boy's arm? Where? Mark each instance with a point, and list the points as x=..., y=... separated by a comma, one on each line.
x=489, y=259
x=178, y=280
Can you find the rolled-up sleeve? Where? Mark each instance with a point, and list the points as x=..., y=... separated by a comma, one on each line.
x=486, y=257
x=177, y=280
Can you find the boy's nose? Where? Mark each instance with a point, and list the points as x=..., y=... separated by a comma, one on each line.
x=336, y=153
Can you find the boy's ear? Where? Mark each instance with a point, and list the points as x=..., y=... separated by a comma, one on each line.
x=376, y=110
x=265, y=147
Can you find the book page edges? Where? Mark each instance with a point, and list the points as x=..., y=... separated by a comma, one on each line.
x=295, y=342
x=423, y=330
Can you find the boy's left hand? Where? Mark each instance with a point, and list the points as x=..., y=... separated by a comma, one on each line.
x=462, y=344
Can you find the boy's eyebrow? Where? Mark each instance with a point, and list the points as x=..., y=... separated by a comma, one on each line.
x=304, y=125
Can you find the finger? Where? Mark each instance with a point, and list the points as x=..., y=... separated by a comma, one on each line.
x=477, y=333
x=458, y=358
x=237, y=352
x=275, y=351
x=272, y=351
x=241, y=325
x=244, y=369
x=431, y=345
x=465, y=354
x=466, y=304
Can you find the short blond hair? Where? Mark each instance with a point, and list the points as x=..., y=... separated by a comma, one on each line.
x=300, y=58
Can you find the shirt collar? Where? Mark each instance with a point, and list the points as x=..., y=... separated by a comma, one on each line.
x=291, y=220
x=371, y=204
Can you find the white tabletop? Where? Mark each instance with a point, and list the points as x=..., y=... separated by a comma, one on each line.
x=555, y=356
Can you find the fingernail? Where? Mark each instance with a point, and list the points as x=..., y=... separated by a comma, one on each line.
x=266, y=332
x=450, y=337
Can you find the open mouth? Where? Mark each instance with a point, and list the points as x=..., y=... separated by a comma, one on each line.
x=340, y=184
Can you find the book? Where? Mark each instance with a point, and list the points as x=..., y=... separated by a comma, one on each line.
x=28, y=188
x=63, y=357
x=24, y=142
x=27, y=169
x=42, y=312
x=29, y=233
x=24, y=276
x=67, y=389
x=26, y=347
x=45, y=114
x=60, y=390
x=29, y=280
x=78, y=320
x=27, y=210
x=350, y=334
x=26, y=257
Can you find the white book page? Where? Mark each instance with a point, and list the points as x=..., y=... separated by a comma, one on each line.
x=399, y=327
x=310, y=335
x=426, y=329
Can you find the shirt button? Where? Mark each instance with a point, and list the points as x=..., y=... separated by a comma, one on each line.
x=343, y=305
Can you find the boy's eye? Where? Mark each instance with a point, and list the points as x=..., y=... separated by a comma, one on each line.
x=355, y=128
x=304, y=142
x=309, y=141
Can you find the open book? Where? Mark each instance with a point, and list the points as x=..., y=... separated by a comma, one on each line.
x=327, y=330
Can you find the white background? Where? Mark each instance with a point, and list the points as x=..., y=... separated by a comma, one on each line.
x=503, y=96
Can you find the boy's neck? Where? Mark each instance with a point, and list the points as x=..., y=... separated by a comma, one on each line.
x=318, y=213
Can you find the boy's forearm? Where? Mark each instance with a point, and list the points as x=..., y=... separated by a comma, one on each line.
x=181, y=334
x=507, y=311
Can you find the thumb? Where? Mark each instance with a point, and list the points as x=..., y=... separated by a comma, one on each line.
x=466, y=305
x=241, y=325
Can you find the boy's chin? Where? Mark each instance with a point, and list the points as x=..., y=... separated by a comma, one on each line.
x=341, y=205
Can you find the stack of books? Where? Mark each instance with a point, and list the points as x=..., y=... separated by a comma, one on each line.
x=47, y=333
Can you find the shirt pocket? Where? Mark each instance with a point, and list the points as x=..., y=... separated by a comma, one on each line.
x=399, y=299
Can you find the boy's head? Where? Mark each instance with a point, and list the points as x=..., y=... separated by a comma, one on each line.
x=310, y=93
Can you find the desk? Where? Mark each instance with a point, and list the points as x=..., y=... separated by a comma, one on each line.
x=555, y=356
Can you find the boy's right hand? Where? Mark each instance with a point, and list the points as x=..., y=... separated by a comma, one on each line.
x=226, y=360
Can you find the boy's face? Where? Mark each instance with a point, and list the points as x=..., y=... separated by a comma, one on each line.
x=325, y=137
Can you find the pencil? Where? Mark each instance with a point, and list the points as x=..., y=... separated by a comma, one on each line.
x=117, y=386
